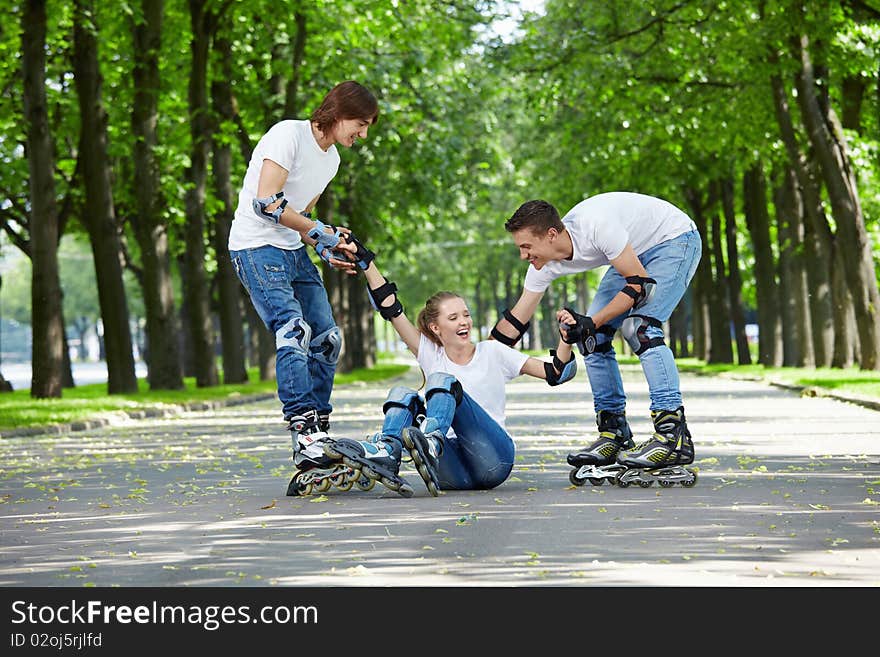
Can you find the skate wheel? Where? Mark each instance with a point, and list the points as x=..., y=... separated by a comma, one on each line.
x=294, y=489
x=597, y=481
x=345, y=486
x=645, y=484
x=623, y=484
x=394, y=485
x=691, y=483
x=432, y=489
x=323, y=485
x=364, y=483
x=667, y=484
x=574, y=479
x=405, y=490
x=338, y=478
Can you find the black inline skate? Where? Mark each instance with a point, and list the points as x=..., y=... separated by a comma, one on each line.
x=377, y=459
x=315, y=472
x=661, y=457
x=425, y=444
x=597, y=462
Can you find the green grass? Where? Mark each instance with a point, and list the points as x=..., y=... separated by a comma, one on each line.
x=19, y=410
x=851, y=380
x=841, y=381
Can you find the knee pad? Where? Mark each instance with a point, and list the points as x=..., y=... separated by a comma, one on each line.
x=442, y=382
x=326, y=346
x=405, y=398
x=633, y=330
x=295, y=334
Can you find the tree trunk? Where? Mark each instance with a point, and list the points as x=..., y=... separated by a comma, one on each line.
x=99, y=216
x=819, y=241
x=702, y=284
x=678, y=328
x=66, y=366
x=229, y=299
x=845, y=334
x=291, y=101
x=184, y=337
x=831, y=151
x=853, y=93
x=47, y=325
x=261, y=341
x=480, y=308
x=719, y=317
x=734, y=277
x=796, y=337
x=201, y=328
x=149, y=228
x=758, y=223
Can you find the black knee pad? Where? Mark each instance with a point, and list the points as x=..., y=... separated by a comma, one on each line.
x=634, y=330
x=442, y=382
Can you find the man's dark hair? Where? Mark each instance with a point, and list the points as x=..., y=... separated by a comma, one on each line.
x=537, y=216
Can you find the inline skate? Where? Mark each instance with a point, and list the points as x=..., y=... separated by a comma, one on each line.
x=661, y=458
x=425, y=444
x=597, y=462
x=377, y=459
x=315, y=472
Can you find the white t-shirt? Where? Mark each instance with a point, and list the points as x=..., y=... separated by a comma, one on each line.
x=602, y=225
x=483, y=379
x=291, y=145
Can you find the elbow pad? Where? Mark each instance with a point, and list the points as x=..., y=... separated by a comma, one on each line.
x=520, y=327
x=260, y=205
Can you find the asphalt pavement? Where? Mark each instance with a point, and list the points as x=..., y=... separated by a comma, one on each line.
x=788, y=495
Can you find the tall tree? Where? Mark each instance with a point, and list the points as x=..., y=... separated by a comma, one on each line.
x=819, y=240
x=48, y=328
x=826, y=137
x=150, y=229
x=758, y=222
x=797, y=338
x=203, y=22
x=226, y=282
x=719, y=316
x=734, y=275
x=99, y=216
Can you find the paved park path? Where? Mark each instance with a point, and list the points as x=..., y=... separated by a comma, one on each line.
x=788, y=495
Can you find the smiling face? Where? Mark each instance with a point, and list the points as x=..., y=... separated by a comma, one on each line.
x=537, y=248
x=454, y=323
x=347, y=131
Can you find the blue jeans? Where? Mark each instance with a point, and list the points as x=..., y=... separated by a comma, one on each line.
x=289, y=296
x=480, y=456
x=672, y=264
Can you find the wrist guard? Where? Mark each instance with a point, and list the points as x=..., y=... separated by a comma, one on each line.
x=378, y=295
x=325, y=242
x=558, y=372
x=363, y=256
x=582, y=332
